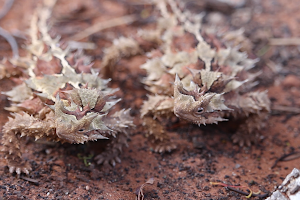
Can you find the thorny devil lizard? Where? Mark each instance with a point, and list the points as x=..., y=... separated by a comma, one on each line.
x=195, y=73
x=62, y=100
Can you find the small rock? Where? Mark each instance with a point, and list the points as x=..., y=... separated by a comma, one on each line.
x=48, y=151
x=289, y=189
x=237, y=166
x=87, y=188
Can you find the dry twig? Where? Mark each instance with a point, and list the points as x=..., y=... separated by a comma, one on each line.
x=289, y=109
x=284, y=41
x=139, y=191
x=104, y=25
x=30, y=180
x=287, y=157
x=245, y=193
x=248, y=195
x=8, y=37
x=6, y=7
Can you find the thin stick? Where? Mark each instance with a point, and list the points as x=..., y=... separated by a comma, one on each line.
x=81, y=45
x=8, y=37
x=30, y=180
x=289, y=109
x=233, y=188
x=287, y=157
x=284, y=41
x=104, y=25
x=246, y=194
x=12, y=42
x=6, y=7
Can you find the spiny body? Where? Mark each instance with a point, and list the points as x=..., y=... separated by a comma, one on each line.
x=62, y=99
x=205, y=80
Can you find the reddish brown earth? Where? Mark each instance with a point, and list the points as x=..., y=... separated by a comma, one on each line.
x=205, y=154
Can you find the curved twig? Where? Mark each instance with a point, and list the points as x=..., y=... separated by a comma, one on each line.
x=8, y=37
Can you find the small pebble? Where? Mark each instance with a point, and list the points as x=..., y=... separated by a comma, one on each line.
x=237, y=166
x=87, y=188
x=48, y=151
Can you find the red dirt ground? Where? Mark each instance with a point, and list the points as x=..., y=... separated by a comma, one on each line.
x=205, y=154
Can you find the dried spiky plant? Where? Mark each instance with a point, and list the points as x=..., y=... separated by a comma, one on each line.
x=63, y=100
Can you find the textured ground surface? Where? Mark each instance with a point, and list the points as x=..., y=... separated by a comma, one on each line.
x=205, y=154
